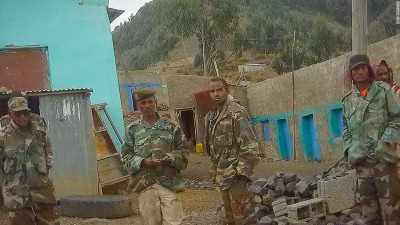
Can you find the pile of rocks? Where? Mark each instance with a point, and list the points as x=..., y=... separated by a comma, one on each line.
x=296, y=193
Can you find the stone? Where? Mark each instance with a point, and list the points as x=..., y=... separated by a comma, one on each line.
x=283, y=220
x=279, y=187
x=344, y=219
x=289, y=177
x=331, y=218
x=266, y=220
x=257, y=199
x=346, y=212
x=260, y=182
x=302, y=187
x=268, y=198
x=258, y=212
x=355, y=216
x=256, y=189
x=270, y=183
x=279, y=174
x=290, y=187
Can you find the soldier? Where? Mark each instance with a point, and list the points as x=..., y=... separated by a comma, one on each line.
x=35, y=118
x=231, y=143
x=371, y=129
x=25, y=158
x=154, y=153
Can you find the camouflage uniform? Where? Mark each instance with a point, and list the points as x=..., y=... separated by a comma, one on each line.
x=165, y=138
x=371, y=130
x=231, y=143
x=27, y=189
x=35, y=118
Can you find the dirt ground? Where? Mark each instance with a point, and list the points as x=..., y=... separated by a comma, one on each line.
x=200, y=201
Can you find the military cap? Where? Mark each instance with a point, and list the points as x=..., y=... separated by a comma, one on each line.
x=356, y=60
x=143, y=93
x=18, y=104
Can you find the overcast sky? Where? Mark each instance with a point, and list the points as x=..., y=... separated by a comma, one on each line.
x=129, y=6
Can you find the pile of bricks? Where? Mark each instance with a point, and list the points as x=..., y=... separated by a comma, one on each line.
x=286, y=199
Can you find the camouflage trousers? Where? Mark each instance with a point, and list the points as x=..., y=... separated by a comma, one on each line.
x=378, y=186
x=160, y=206
x=239, y=203
x=42, y=215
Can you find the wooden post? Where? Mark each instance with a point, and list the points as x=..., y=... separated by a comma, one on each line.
x=359, y=27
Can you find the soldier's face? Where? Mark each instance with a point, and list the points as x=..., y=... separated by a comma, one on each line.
x=217, y=92
x=147, y=106
x=360, y=74
x=20, y=118
x=382, y=74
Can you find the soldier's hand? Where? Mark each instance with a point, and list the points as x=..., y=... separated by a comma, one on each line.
x=166, y=161
x=150, y=163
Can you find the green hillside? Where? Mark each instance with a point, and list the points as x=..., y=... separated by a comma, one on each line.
x=262, y=27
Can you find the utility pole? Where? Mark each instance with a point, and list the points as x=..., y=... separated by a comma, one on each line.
x=359, y=27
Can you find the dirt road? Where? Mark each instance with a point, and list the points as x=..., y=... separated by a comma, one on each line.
x=200, y=200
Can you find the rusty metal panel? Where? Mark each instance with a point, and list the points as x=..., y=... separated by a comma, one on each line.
x=204, y=104
x=70, y=127
x=24, y=69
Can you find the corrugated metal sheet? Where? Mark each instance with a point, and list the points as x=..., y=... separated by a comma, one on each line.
x=70, y=127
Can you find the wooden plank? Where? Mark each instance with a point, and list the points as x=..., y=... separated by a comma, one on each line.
x=110, y=168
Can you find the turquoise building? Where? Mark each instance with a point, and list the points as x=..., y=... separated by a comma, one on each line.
x=60, y=44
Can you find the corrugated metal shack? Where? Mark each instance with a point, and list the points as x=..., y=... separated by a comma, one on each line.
x=70, y=127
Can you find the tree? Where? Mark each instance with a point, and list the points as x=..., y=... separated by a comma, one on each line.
x=218, y=19
x=210, y=20
x=181, y=16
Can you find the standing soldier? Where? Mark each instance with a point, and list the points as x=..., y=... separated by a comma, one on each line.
x=231, y=143
x=371, y=129
x=25, y=156
x=154, y=153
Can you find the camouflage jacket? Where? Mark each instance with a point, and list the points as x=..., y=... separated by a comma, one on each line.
x=371, y=125
x=25, y=159
x=35, y=118
x=231, y=143
x=142, y=141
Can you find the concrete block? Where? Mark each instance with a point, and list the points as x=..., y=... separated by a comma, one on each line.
x=339, y=193
x=280, y=205
x=306, y=210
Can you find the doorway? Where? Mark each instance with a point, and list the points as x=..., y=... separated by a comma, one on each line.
x=187, y=122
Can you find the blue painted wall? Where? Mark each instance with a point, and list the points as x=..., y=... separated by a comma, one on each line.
x=78, y=37
x=284, y=140
x=308, y=130
x=267, y=130
x=336, y=126
x=309, y=138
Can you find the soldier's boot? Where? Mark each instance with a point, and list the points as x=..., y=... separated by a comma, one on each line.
x=47, y=216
